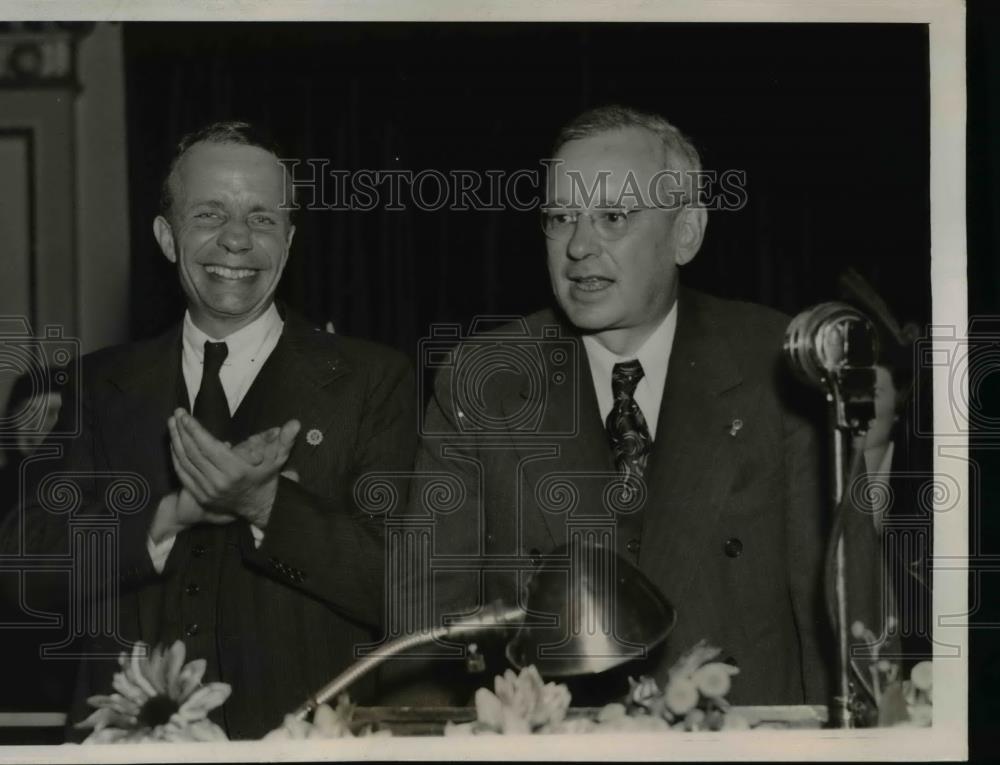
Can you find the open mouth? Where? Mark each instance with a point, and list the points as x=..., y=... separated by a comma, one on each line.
x=591, y=283
x=231, y=274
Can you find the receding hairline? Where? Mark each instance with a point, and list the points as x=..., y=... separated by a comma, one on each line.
x=662, y=152
x=173, y=176
x=678, y=151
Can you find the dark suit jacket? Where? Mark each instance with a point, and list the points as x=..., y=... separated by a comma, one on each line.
x=276, y=622
x=732, y=531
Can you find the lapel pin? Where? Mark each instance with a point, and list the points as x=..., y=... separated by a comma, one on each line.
x=314, y=437
x=735, y=426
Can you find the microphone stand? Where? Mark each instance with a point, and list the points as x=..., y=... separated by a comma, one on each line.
x=833, y=346
x=843, y=712
x=642, y=618
x=496, y=616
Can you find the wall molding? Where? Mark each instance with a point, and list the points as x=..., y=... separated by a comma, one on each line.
x=40, y=54
x=27, y=135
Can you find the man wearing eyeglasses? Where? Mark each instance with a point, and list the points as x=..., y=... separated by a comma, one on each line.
x=681, y=394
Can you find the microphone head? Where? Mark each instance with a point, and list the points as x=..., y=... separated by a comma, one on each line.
x=823, y=341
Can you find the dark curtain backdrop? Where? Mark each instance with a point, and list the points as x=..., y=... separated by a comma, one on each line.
x=830, y=123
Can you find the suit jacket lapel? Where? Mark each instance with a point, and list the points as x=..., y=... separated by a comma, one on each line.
x=581, y=455
x=691, y=468
x=302, y=363
x=150, y=383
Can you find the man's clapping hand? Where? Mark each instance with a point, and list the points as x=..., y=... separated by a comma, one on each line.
x=239, y=480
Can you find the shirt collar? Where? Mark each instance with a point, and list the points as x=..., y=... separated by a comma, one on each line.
x=654, y=354
x=242, y=343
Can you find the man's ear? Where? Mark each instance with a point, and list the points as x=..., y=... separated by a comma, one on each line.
x=288, y=246
x=165, y=238
x=689, y=231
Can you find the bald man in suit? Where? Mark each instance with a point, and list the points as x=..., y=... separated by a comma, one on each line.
x=684, y=393
x=248, y=428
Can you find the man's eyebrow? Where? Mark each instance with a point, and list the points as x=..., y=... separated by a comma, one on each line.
x=213, y=203
x=600, y=203
x=216, y=204
x=258, y=207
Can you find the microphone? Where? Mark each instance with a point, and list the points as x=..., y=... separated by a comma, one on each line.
x=833, y=346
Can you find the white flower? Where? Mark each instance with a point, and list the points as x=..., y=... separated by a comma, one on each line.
x=521, y=702
x=327, y=722
x=681, y=696
x=693, y=658
x=713, y=679
x=922, y=676
x=157, y=698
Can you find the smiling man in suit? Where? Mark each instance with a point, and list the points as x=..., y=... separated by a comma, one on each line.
x=681, y=394
x=250, y=428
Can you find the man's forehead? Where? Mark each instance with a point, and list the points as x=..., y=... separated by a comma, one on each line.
x=230, y=164
x=628, y=149
x=616, y=159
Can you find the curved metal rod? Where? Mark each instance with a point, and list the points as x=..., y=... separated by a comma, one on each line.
x=363, y=666
x=497, y=616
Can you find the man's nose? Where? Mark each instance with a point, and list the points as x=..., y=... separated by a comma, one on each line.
x=584, y=241
x=235, y=236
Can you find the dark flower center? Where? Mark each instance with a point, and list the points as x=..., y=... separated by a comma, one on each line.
x=157, y=711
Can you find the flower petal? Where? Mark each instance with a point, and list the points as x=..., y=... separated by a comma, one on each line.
x=121, y=683
x=136, y=671
x=99, y=701
x=189, y=679
x=712, y=679
x=175, y=663
x=107, y=718
x=922, y=676
x=203, y=700
x=206, y=730
x=96, y=720
x=116, y=702
x=681, y=695
x=697, y=655
x=489, y=708
x=297, y=729
x=154, y=670
x=107, y=736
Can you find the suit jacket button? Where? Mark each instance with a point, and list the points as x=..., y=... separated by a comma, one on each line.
x=198, y=550
x=192, y=589
x=632, y=546
x=191, y=630
x=733, y=547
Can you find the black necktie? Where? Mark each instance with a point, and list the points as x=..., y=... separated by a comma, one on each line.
x=211, y=408
x=626, y=425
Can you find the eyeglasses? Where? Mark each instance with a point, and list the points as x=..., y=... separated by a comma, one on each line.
x=609, y=223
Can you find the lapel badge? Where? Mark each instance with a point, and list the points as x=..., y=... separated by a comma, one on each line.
x=735, y=426
x=314, y=437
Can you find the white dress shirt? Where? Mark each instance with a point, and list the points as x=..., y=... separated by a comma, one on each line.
x=249, y=347
x=654, y=355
